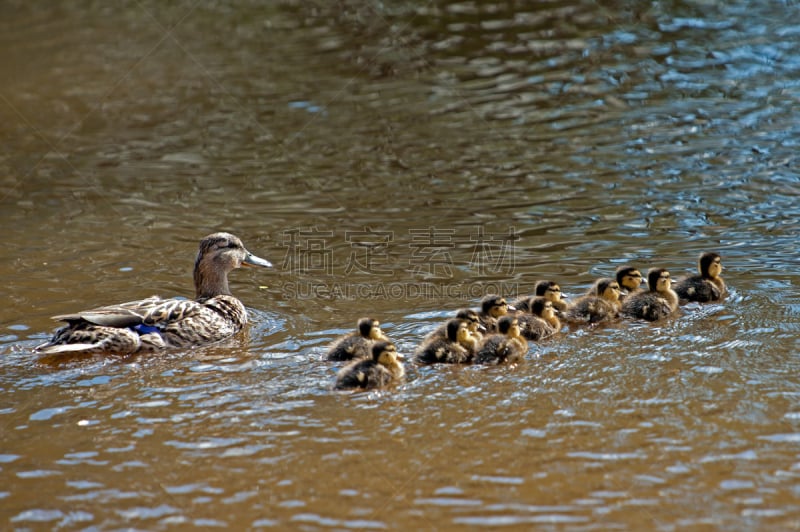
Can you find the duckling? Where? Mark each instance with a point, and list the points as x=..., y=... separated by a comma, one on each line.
x=602, y=305
x=540, y=321
x=708, y=286
x=552, y=292
x=465, y=314
x=154, y=324
x=381, y=369
x=630, y=281
x=357, y=344
x=509, y=346
x=458, y=347
x=659, y=302
x=493, y=307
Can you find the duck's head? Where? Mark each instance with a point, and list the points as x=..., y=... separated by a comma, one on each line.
x=471, y=318
x=509, y=325
x=542, y=307
x=629, y=278
x=710, y=265
x=608, y=289
x=549, y=290
x=458, y=331
x=385, y=353
x=220, y=253
x=370, y=328
x=658, y=280
x=495, y=306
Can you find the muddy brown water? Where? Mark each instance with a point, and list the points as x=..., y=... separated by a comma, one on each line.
x=401, y=160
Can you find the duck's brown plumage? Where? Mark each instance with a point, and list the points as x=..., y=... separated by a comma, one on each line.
x=154, y=323
x=708, y=285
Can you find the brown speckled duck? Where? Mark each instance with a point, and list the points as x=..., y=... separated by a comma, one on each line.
x=708, y=286
x=601, y=305
x=382, y=369
x=468, y=315
x=658, y=302
x=154, y=324
x=357, y=344
x=508, y=346
x=551, y=291
x=457, y=347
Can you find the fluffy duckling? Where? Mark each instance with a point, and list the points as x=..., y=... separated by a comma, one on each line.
x=493, y=307
x=458, y=347
x=154, y=324
x=509, y=346
x=630, y=281
x=552, y=292
x=381, y=369
x=658, y=302
x=602, y=305
x=708, y=286
x=540, y=321
x=467, y=315
x=357, y=344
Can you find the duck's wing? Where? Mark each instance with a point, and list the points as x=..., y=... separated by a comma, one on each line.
x=153, y=311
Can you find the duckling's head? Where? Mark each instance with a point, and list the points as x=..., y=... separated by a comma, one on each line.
x=494, y=305
x=542, y=307
x=710, y=265
x=548, y=289
x=608, y=289
x=458, y=331
x=471, y=318
x=220, y=253
x=658, y=280
x=370, y=328
x=629, y=278
x=385, y=353
x=508, y=325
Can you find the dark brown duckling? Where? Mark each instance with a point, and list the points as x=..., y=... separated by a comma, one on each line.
x=508, y=346
x=381, y=369
x=602, y=305
x=357, y=344
x=493, y=307
x=552, y=292
x=630, y=281
x=540, y=321
x=658, y=302
x=458, y=347
x=708, y=286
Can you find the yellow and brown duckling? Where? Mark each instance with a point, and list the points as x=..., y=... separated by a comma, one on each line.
x=154, y=323
x=600, y=306
x=551, y=291
x=508, y=346
x=468, y=315
x=540, y=321
x=457, y=347
x=357, y=344
x=630, y=281
x=658, y=302
x=382, y=369
x=708, y=285
x=493, y=307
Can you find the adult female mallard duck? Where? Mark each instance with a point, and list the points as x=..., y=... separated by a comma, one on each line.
x=493, y=307
x=658, y=302
x=539, y=320
x=708, y=286
x=629, y=279
x=602, y=305
x=382, y=369
x=357, y=344
x=458, y=347
x=509, y=346
x=153, y=324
